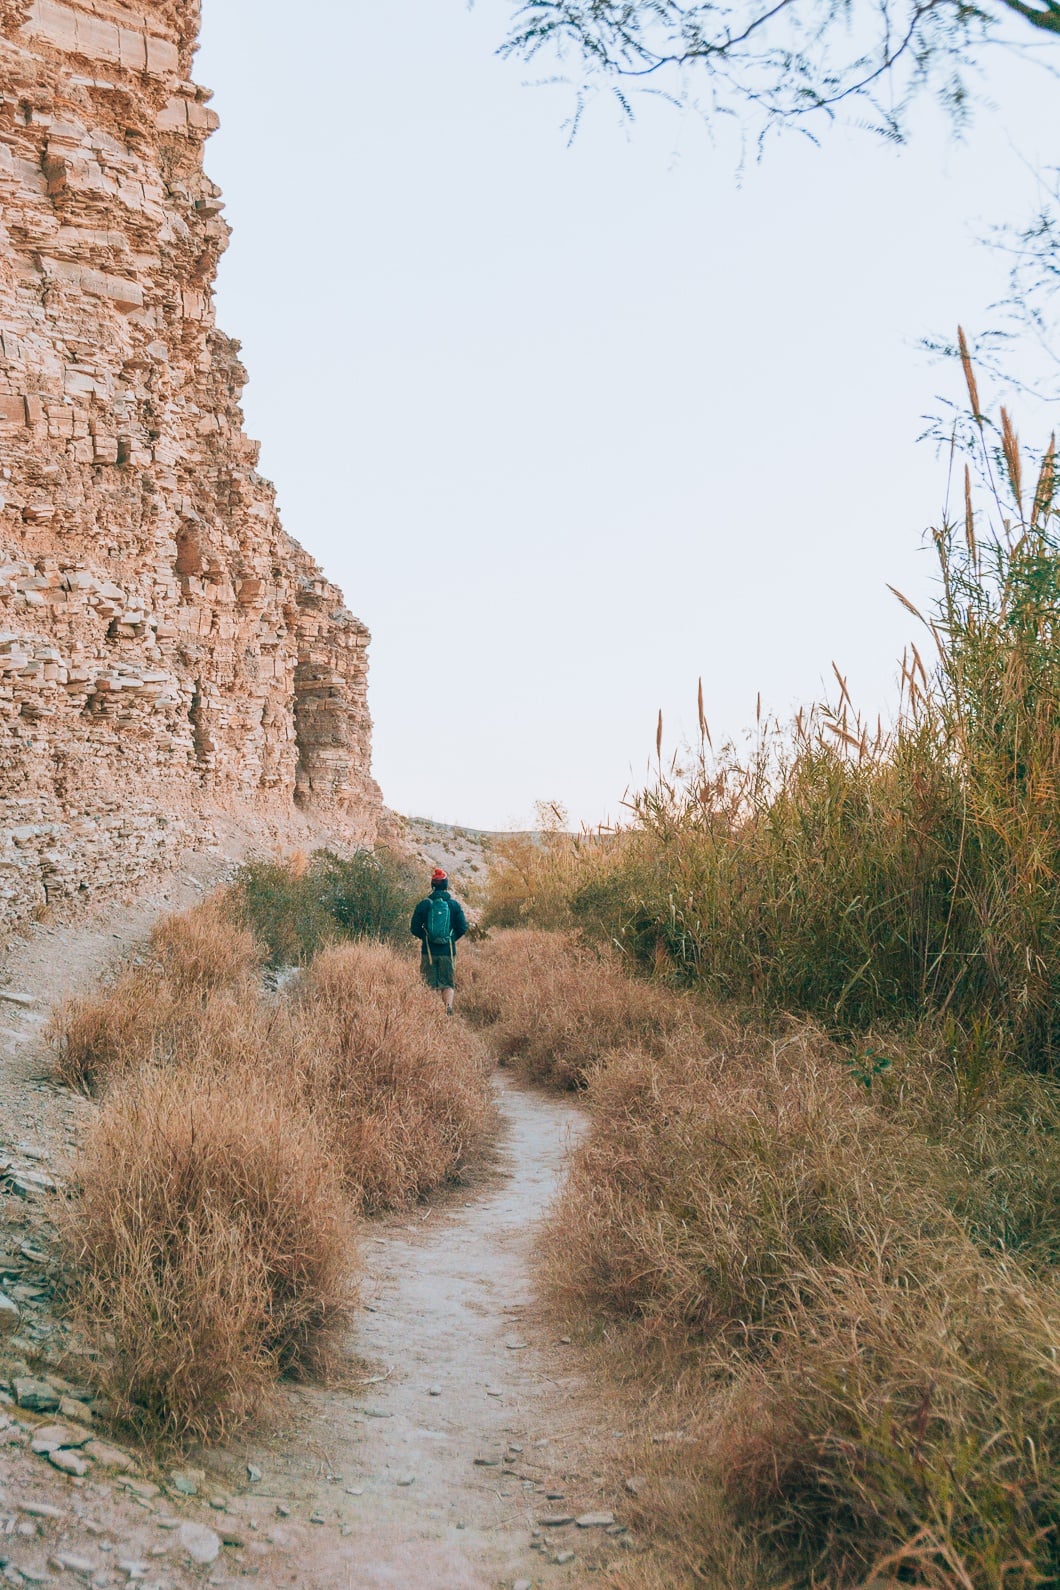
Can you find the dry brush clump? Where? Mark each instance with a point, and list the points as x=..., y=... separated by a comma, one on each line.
x=812, y=1269
x=712, y=1173
x=401, y=1093
x=241, y=1133
x=198, y=969
x=210, y=1246
x=555, y=1006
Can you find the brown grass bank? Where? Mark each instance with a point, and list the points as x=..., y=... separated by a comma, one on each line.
x=213, y=1240
x=834, y=1281
x=400, y=1093
x=211, y=1247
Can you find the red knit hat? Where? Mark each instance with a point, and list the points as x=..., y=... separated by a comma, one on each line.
x=438, y=876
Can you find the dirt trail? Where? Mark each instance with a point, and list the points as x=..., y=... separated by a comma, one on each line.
x=439, y=1472
x=376, y=1483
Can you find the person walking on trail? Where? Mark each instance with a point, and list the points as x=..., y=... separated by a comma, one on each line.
x=438, y=922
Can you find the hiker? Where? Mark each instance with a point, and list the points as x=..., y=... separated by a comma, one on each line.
x=438, y=921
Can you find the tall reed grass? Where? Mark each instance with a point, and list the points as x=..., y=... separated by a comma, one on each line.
x=868, y=876
x=818, y=1227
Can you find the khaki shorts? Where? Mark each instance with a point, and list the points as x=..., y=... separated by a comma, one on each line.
x=439, y=971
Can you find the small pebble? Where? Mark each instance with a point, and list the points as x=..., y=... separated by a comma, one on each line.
x=407, y=1479
x=434, y=1391
x=562, y=1558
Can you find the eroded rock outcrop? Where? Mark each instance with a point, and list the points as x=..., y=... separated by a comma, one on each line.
x=166, y=650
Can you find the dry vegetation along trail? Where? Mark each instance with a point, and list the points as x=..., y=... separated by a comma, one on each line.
x=442, y=1468
x=374, y=1482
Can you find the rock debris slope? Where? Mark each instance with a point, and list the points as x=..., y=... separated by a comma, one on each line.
x=167, y=652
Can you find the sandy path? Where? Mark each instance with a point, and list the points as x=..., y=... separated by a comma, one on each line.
x=475, y=1372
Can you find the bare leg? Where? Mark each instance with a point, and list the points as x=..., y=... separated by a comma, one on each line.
x=448, y=996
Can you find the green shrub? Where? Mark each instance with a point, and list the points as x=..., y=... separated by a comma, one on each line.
x=299, y=906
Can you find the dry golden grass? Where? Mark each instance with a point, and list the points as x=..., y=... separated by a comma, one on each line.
x=556, y=1007
x=860, y=1388
x=240, y=1132
x=204, y=949
x=210, y=1246
x=401, y=1092
x=711, y=1174
x=198, y=970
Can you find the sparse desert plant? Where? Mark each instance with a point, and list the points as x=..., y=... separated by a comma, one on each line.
x=401, y=1094
x=210, y=1246
x=555, y=1006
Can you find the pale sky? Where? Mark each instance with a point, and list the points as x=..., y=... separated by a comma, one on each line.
x=573, y=426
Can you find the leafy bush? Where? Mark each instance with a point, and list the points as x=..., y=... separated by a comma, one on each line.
x=297, y=907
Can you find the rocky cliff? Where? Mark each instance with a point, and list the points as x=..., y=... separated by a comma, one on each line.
x=167, y=652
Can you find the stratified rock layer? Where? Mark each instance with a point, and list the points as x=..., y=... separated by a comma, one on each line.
x=166, y=650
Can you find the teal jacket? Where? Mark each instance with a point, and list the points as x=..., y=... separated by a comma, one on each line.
x=457, y=922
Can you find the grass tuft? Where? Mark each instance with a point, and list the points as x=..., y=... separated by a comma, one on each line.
x=401, y=1094
x=210, y=1246
x=555, y=1007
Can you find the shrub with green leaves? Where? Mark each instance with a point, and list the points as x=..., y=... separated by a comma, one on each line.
x=297, y=907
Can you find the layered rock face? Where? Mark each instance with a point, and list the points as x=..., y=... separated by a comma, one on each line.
x=166, y=650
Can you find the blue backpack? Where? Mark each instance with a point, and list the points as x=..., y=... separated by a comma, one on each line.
x=439, y=920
